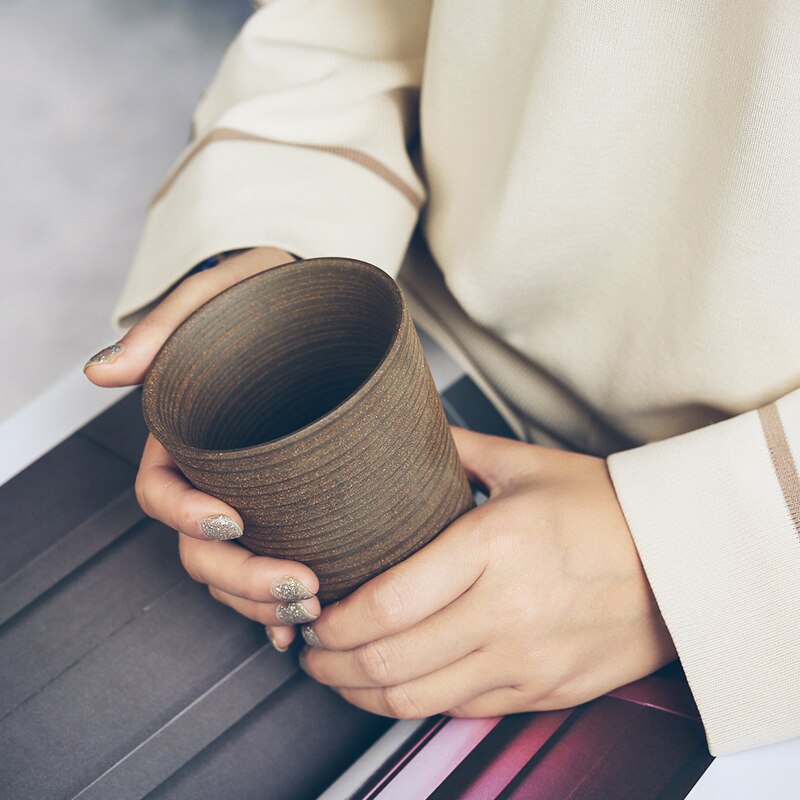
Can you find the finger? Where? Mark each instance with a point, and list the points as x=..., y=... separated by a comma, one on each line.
x=488, y=460
x=432, y=644
x=409, y=592
x=496, y=703
x=237, y=571
x=272, y=614
x=165, y=494
x=432, y=694
x=126, y=362
x=281, y=637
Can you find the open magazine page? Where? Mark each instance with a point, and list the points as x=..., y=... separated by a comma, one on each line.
x=123, y=678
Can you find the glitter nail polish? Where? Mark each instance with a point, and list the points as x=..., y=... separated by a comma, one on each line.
x=290, y=588
x=106, y=356
x=293, y=614
x=310, y=637
x=220, y=527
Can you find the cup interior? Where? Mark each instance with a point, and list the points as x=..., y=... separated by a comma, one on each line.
x=272, y=354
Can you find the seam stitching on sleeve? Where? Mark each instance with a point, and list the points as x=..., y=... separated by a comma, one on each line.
x=359, y=157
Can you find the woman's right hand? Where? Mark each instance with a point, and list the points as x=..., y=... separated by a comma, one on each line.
x=276, y=593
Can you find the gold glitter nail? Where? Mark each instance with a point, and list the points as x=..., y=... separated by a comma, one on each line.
x=310, y=636
x=106, y=356
x=293, y=614
x=290, y=588
x=220, y=528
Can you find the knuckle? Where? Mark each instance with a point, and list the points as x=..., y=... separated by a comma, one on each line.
x=332, y=628
x=252, y=585
x=520, y=614
x=185, y=517
x=390, y=601
x=551, y=674
x=543, y=688
x=376, y=663
x=559, y=694
x=400, y=703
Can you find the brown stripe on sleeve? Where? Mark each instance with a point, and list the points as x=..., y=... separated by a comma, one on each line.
x=782, y=460
x=351, y=154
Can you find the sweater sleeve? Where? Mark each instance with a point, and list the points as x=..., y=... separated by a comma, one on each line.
x=715, y=514
x=300, y=142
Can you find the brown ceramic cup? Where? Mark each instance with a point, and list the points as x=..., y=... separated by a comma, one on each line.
x=301, y=397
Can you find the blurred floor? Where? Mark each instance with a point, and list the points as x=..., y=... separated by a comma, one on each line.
x=97, y=97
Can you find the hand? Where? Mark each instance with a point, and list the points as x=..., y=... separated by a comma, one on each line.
x=252, y=585
x=535, y=600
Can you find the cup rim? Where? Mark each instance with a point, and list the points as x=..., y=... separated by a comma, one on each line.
x=159, y=431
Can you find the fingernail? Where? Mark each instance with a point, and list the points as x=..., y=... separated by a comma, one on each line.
x=272, y=641
x=220, y=528
x=293, y=614
x=290, y=588
x=106, y=356
x=310, y=637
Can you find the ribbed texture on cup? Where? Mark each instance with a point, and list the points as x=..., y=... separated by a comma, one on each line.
x=351, y=492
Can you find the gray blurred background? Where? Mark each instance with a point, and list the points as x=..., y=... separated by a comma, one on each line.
x=96, y=98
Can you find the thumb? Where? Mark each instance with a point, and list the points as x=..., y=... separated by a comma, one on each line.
x=487, y=460
x=126, y=362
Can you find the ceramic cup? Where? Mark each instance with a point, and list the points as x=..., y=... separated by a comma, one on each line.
x=301, y=397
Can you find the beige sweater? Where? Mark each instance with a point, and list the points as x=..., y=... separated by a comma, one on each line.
x=612, y=194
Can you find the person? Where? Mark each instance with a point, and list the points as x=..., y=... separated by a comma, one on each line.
x=608, y=205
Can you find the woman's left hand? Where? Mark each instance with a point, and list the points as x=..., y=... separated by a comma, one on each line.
x=535, y=600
